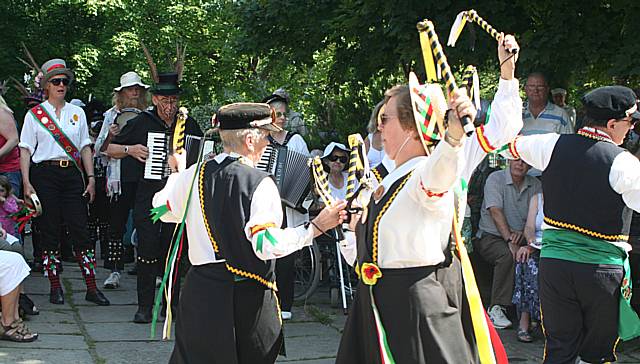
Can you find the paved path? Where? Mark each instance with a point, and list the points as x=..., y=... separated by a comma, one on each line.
x=81, y=332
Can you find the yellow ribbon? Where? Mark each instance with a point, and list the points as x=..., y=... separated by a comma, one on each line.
x=427, y=54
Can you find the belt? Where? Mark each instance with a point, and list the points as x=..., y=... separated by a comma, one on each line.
x=64, y=163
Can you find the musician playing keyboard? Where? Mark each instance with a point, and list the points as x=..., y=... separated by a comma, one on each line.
x=132, y=144
x=279, y=101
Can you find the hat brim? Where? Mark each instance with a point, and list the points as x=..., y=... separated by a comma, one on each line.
x=424, y=98
x=327, y=152
x=59, y=71
x=167, y=92
x=265, y=124
x=118, y=89
x=273, y=98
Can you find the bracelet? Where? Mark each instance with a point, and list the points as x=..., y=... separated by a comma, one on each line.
x=91, y=176
x=451, y=140
x=316, y=226
x=126, y=149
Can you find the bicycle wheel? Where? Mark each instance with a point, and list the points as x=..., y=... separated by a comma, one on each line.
x=306, y=272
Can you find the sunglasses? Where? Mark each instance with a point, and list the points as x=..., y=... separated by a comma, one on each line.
x=280, y=114
x=334, y=158
x=58, y=81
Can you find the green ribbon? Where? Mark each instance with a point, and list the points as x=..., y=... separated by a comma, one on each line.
x=157, y=212
x=261, y=236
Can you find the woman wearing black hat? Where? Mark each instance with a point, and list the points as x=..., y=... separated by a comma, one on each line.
x=228, y=310
x=55, y=156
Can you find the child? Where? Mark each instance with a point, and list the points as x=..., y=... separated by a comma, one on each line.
x=8, y=206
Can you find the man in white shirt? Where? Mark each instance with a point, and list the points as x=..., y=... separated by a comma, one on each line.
x=228, y=312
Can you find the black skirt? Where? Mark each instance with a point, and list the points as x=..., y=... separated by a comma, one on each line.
x=423, y=312
x=225, y=321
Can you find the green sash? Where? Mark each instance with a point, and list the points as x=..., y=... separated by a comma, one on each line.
x=580, y=248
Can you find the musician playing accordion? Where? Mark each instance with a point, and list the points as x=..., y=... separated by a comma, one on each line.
x=153, y=239
x=279, y=102
x=228, y=312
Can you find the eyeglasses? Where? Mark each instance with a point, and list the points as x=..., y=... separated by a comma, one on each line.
x=343, y=159
x=169, y=100
x=536, y=87
x=58, y=81
x=280, y=114
x=386, y=117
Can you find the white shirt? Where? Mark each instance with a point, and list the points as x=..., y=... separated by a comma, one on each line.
x=624, y=176
x=39, y=142
x=415, y=229
x=266, y=209
x=339, y=193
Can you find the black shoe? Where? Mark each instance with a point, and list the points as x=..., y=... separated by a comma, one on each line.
x=36, y=267
x=143, y=316
x=133, y=271
x=97, y=297
x=27, y=305
x=129, y=254
x=56, y=296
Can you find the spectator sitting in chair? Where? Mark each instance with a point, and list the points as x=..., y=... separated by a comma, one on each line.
x=503, y=215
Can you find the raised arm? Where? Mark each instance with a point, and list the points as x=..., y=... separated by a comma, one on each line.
x=505, y=118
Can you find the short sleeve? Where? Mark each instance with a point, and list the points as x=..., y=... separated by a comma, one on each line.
x=493, y=189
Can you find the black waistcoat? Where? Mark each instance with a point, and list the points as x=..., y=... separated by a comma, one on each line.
x=226, y=191
x=577, y=192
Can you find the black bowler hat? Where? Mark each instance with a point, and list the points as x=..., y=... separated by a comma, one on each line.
x=245, y=115
x=611, y=102
x=167, y=85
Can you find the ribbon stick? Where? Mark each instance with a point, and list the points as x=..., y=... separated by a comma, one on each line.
x=471, y=81
x=426, y=27
x=320, y=181
x=472, y=16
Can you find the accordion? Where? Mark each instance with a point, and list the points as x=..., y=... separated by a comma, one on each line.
x=156, y=167
x=292, y=175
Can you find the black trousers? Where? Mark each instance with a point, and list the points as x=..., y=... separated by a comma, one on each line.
x=153, y=243
x=579, y=304
x=118, y=217
x=226, y=321
x=285, y=276
x=60, y=192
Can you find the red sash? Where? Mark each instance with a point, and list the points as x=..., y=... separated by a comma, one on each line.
x=49, y=124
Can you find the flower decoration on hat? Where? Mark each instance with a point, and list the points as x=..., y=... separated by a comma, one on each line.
x=429, y=106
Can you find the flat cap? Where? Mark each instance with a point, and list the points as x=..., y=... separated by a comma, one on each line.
x=245, y=115
x=611, y=102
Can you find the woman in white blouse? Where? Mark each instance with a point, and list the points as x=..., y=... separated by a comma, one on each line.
x=335, y=159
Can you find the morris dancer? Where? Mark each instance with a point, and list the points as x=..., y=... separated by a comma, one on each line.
x=409, y=304
x=588, y=182
x=233, y=216
x=55, y=137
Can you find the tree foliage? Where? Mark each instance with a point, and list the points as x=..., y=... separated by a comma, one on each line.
x=335, y=57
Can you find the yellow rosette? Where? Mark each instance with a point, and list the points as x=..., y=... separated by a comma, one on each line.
x=370, y=273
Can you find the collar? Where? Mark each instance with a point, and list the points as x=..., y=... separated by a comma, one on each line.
x=388, y=163
x=244, y=160
x=400, y=172
x=593, y=133
x=548, y=106
x=509, y=179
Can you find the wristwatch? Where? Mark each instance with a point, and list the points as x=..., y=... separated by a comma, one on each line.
x=126, y=149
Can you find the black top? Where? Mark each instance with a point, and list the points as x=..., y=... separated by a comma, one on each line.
x=135, y=132
x=227, y=208
x=577, y=191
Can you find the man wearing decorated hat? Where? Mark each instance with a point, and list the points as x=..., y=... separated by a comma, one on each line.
x=229, y=312
x=409, y=305
x=590, y=185
x=131, y=144
x=57, y=163
x=129, y=99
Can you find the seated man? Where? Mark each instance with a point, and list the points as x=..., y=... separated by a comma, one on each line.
x=504, y=213
x=229, y=312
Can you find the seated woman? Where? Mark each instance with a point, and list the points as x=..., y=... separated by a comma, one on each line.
x=13, y=270
x=525, y=292
x=335, y=159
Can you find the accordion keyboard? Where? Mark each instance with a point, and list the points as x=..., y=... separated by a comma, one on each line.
x=156, y=166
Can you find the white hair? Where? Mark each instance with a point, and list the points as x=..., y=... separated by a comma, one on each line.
x=233, y=140
x=4, y=106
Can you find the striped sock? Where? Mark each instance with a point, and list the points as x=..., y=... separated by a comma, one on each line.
x=91, y=283
x=54, y=281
